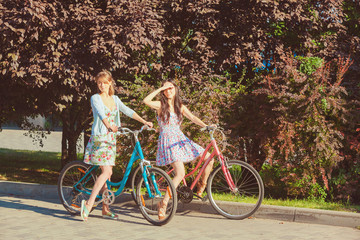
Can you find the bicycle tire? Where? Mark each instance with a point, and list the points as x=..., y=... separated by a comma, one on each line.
x=247, y=196
x=148, y=206
x=136, y=176
x=69, y=176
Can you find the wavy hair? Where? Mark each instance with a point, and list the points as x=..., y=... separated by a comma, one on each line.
x=104, y=74
x=165, y=108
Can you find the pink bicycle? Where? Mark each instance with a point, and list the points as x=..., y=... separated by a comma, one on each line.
x=234, y=188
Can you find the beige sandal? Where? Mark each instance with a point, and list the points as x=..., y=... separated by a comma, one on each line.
x=162, y=209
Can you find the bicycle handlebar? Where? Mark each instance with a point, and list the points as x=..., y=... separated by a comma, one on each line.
x=209, y=128
x=146, y=127
x=126, y=131
x=211, y=131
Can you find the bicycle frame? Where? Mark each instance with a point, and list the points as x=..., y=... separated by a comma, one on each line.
x=216, y=152
x=136, y=155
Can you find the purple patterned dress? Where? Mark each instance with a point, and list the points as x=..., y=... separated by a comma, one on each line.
x=173, y=145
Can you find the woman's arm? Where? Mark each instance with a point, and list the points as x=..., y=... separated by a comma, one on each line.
x=186, y=112
x=140, y=119
x=148, y=100
x=108, y=126
x=131, y=113
x=123, y=108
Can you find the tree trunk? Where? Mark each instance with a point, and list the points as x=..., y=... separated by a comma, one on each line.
x=68, y=146
x=64, y=148
x=72, y=152
x=87, y=133
x=75, y=120
x=69, y=138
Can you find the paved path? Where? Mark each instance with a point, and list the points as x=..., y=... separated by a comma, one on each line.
x=24, y=218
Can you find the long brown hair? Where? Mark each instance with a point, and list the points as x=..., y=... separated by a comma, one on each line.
x=104, y=74
x=165, y=108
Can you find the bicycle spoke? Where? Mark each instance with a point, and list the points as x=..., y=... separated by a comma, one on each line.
x=150, y=196
x=69, y=177
x=244, y=199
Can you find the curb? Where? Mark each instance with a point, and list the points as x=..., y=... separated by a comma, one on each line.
x=290, y=214
x=29, y=189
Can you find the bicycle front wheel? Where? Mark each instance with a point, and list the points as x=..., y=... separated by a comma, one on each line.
x=135, y=178
x=71, y=196
x=244, y=199
x=160, y=185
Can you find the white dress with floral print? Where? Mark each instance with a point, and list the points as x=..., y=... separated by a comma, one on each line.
x=101, y=149
x=173, y=145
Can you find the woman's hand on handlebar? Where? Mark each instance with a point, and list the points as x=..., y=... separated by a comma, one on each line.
x=149, y=124
x=209, y=127
x=212, y=125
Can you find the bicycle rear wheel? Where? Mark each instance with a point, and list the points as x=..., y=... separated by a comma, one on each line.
x=70, y=175
x=148, y=202
x=244, y=199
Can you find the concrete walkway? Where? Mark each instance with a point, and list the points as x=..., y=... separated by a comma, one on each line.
x=27, y=218
x=289, y=214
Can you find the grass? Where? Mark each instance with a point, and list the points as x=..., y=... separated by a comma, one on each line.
x=44, y=168
x=29, y=166
x=300, y=203
x=314, y=204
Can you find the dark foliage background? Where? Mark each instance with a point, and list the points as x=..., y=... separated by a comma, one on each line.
x=281, y=77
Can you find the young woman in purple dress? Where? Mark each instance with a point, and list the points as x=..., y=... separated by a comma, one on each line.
x=174, y=147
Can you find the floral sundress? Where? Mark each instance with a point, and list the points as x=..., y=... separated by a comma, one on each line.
x=173, y=145
x=101, y=149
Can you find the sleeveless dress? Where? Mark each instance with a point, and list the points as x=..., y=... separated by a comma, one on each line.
x=101, y=149
x=173, y=145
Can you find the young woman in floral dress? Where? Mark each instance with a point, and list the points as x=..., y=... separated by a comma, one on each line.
x=174, y=147
x=101, y=148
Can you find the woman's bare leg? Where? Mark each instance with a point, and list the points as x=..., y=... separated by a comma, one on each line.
x=105, y=207
x=99, y=184
x=201, y=185
x=179, y=175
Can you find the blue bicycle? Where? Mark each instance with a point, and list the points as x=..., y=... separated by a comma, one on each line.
x=77, y=179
